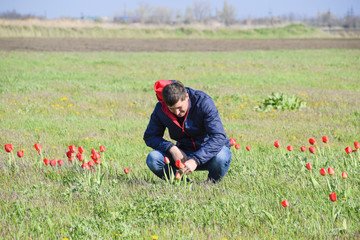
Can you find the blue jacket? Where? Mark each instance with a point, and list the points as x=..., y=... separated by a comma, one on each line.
x=202, y=132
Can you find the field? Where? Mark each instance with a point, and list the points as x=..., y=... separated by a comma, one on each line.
x=105, y=98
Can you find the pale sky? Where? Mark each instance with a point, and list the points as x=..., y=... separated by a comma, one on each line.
x=244, y=8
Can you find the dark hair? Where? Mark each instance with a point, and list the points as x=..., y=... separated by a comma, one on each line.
x=173, y=92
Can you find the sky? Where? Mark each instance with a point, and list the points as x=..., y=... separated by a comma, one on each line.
x=244, y=8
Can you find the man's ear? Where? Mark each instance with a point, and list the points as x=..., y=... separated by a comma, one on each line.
x=187, y=96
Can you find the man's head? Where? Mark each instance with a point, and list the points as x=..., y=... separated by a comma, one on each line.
x=176, y=98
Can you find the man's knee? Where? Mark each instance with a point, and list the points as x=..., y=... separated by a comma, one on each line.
x=153, y=159
x=223, y=158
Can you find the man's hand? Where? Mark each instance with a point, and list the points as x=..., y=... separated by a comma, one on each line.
x=176, y=153
x=190, y=166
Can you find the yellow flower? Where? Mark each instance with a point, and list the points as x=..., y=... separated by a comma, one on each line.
x=294, y=137
x=53, y=146
x=70, y=105
x=65, y=239
x=118, y=235
x=154, y=237
x=37, y=129
x=86, y=138
x=63, y=99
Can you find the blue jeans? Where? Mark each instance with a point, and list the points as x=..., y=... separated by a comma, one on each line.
x=217, y=166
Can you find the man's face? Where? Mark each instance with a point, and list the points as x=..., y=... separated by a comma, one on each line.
x=180, y=108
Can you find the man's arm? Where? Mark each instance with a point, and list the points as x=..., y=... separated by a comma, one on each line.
x=154, y=133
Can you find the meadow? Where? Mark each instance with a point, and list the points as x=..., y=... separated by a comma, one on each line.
x=93, y=99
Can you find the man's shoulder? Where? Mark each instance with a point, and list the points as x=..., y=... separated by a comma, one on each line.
x=197, y=94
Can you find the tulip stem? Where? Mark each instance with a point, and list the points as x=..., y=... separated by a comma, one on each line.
x=328, y=183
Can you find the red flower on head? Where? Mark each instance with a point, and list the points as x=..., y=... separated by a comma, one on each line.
x=344, y=175
x=348, y=150
x=277, y=144
x=166, y=160
x=331, y=171
x=285, y=203
x=308, y=166
x=303, y=148
x=9, y=147
x=357, y=145
x=179, y=164
x=102, y=148
x=93, y=151
x=53, y=162
x=72, y=148
x=80, y=156
x=126, y=170
x=323, y=172
x=312, y=149
x=237, y=146
x=20, y=153
x=290, y=148
x=333, y=197
x=248, y=148
x=81, y=149
x=325, y=139
x=37, y=146
x=312, y=141
x=232, y=141
x=46, y=161
x=96, y=156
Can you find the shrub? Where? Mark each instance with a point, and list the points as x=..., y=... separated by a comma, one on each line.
x=280, y=101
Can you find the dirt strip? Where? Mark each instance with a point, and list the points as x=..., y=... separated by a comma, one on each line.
x=170, y=45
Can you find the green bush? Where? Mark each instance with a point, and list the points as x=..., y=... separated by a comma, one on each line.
x=280, y=101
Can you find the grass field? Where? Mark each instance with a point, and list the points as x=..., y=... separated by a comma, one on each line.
x=82, y=29
x=93, y=99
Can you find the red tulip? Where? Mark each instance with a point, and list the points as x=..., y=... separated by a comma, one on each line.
x=348, y=150
x=277, y=144
x=93, y=151
x=70, y=159
x=303, y=148
x=285, y=203
x=81, y=149
x=312, y=141
x=232, y=141
x=102, y=148
x=91, y=164
x=344, y=175
x=60, y=162
x=97, y=161
x=37, y=146
x=85, y=166
x=126, y=170
x=323, y=172
x=72, y=148
x=290, y=148
x=9, y=147
x=308, y=166
x=177, y=176
x=312, y=149
x=331, y=171
x=96, y=156
x=80, y=156
x=70, y=154
x=179, y=164
x=46, y=161
x=248, y=148
x=20, y=153
x=325, y=139
x=357, y=145
x=53, y=162
x=237, y=146
x=333, y=197
x=166, y=160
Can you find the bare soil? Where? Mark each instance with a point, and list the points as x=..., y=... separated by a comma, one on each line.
x=170, y=45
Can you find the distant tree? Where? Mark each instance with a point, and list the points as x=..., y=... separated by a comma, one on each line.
x=189, y=15
x=143, y=12
x=161, y=15
x=227, y=15
x=202, y=11
x=15, y=15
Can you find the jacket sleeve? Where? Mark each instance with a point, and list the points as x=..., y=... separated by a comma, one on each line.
x=215, y=131
x=154, y=133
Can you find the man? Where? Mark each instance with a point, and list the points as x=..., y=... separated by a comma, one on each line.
x=193, y=121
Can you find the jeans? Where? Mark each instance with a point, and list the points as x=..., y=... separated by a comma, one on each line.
x=217, y=166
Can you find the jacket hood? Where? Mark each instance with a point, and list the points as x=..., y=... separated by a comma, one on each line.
x=159, y=86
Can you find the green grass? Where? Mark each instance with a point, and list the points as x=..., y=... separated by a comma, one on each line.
x=93, y=99
x=119, y=31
